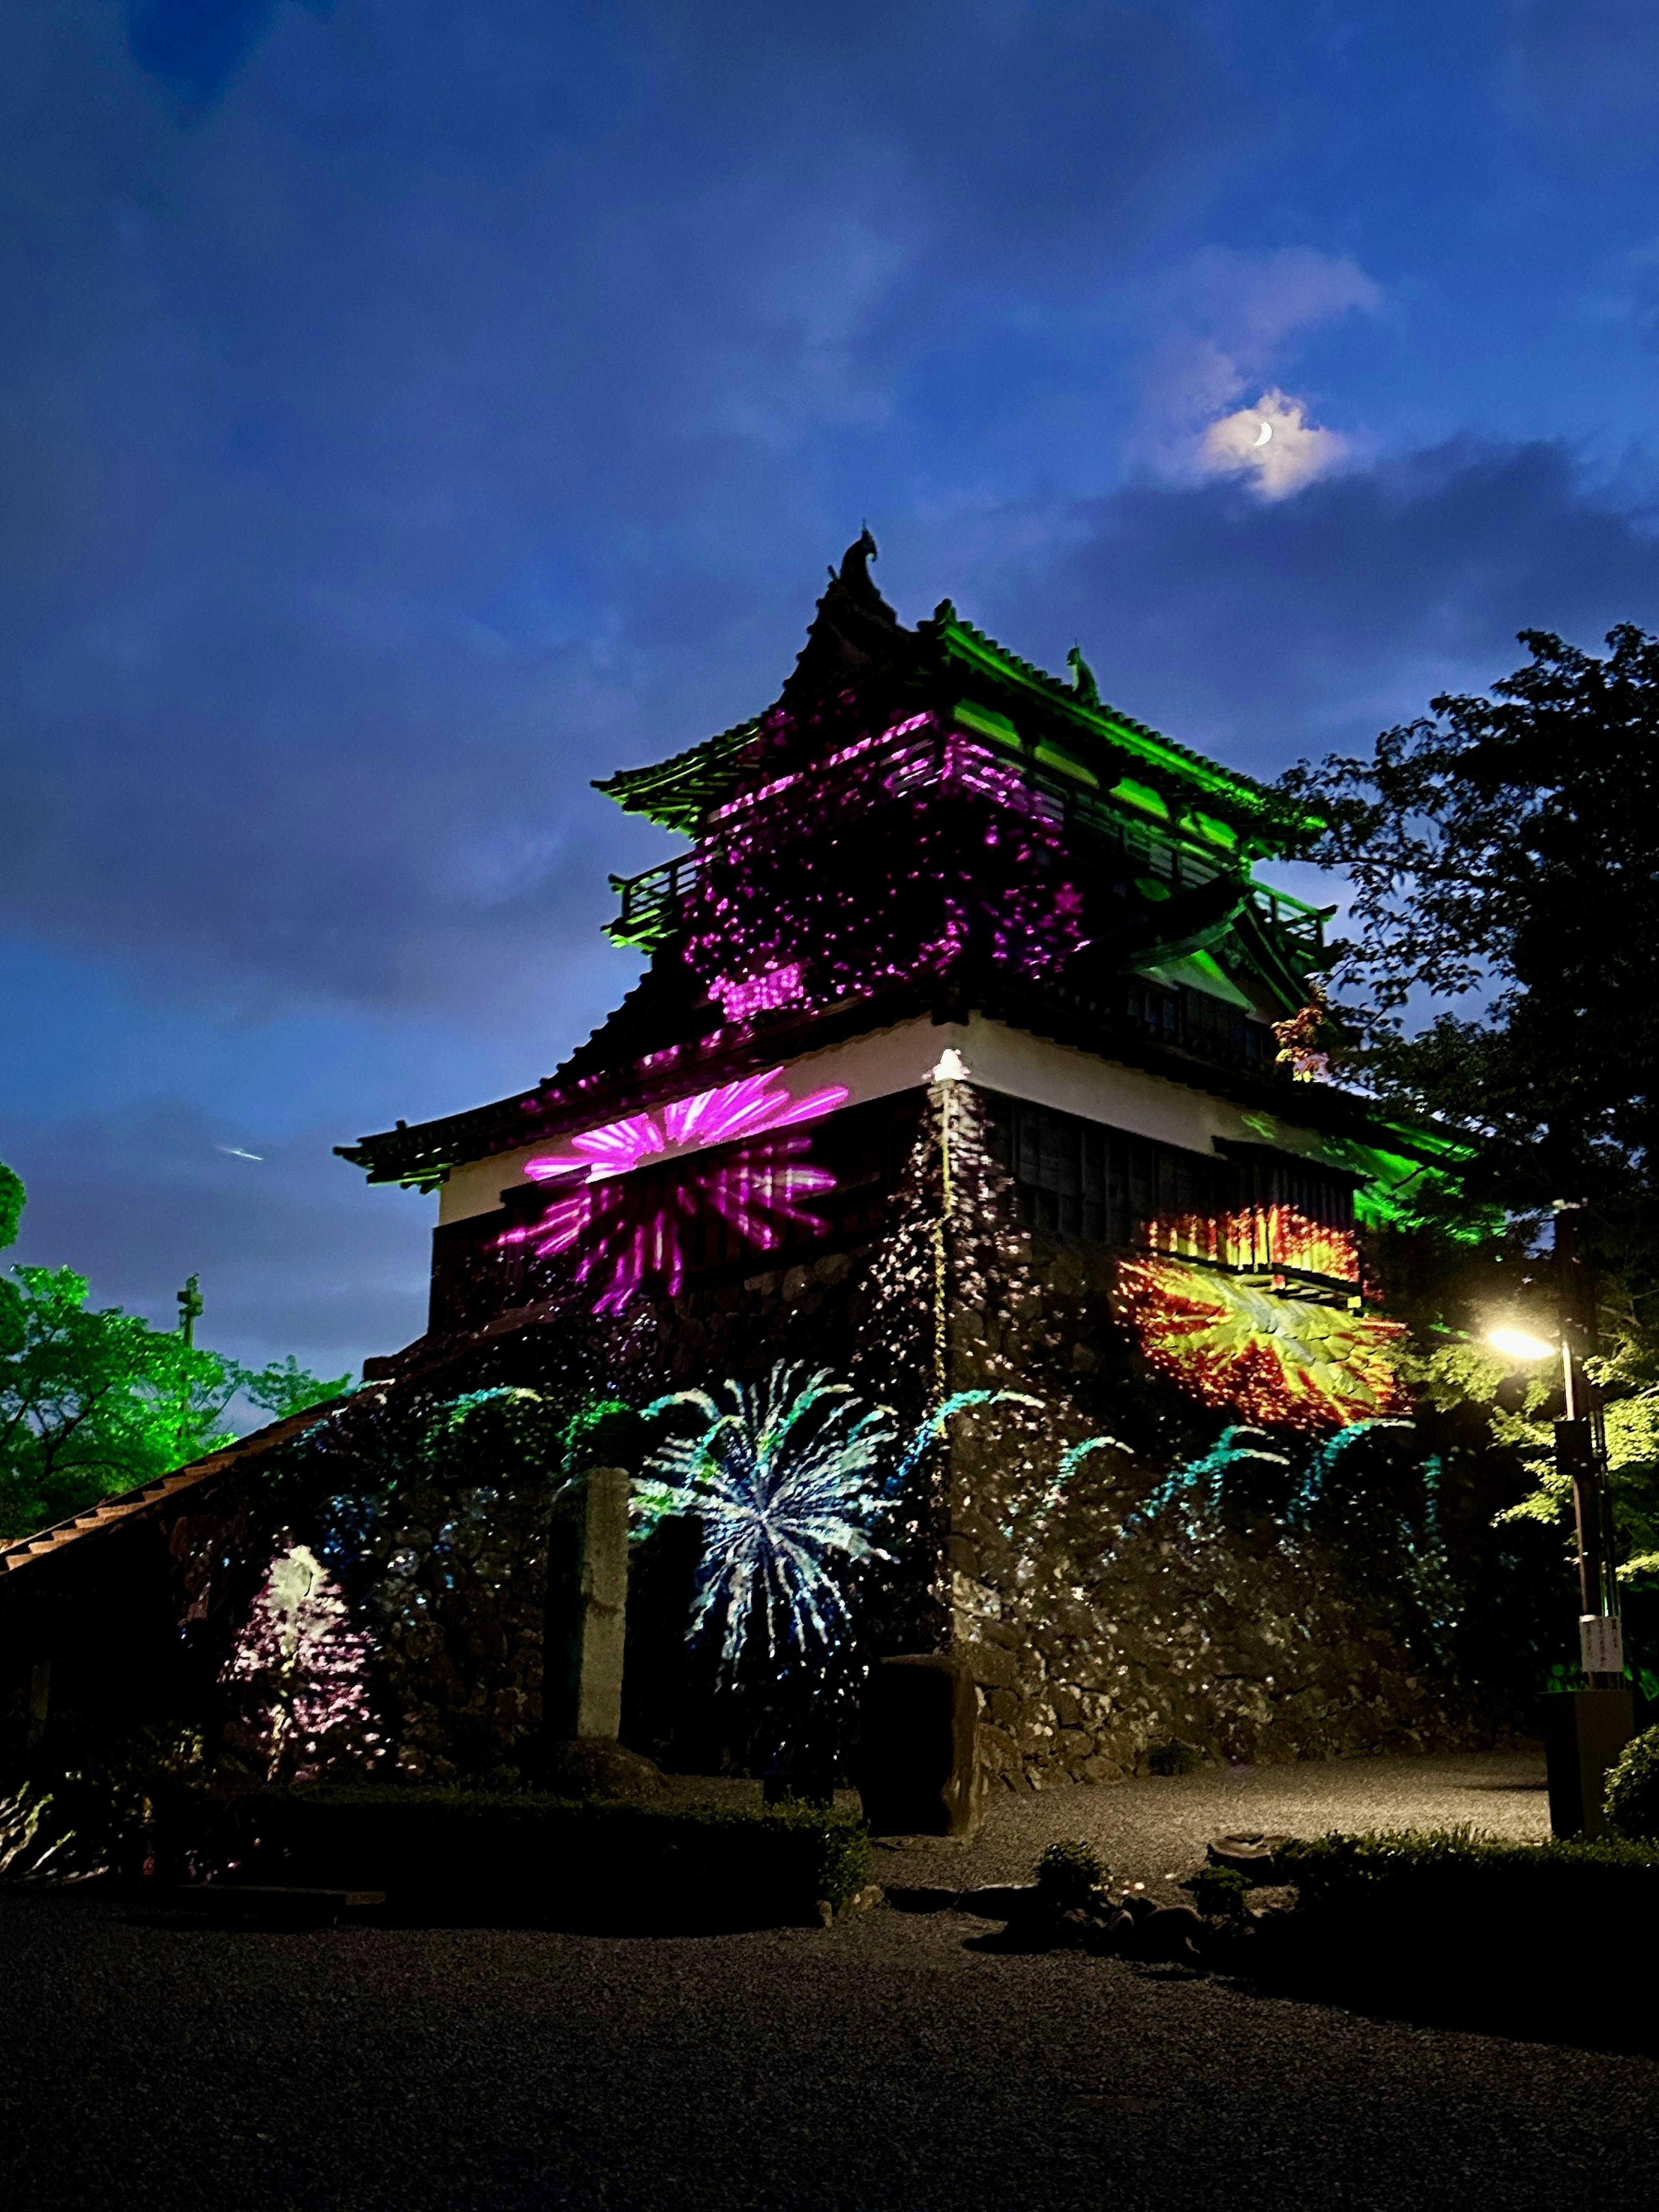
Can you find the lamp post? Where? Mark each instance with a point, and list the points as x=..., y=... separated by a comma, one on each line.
x=1581, y=1453
x=1584, y=1730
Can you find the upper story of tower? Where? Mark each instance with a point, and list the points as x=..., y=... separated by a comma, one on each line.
x=916, y=798
x=923, y=827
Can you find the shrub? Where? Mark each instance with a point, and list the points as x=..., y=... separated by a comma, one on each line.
x=1458, y=1863
x=480, y=1854
x=1174, y=1758
x=1632, y=1798
x=77, y=1804
x=1070, y=1874
x=1219, y=1892
x=1555, y=1934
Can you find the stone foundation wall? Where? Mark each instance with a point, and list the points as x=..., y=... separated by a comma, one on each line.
x=1101, y=1624
x=1239, y=1653
x=456, y=1595
x=1103, y=1614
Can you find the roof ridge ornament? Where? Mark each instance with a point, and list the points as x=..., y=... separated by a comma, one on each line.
x=1083, y=677
x=853, y=574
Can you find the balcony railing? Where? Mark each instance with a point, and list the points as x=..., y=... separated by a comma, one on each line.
x=650, y=902
x=1293, y=919
x=912, y=757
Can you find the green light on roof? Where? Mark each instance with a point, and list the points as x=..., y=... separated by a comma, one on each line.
x=1143, y=796
x=1052, y=755
x=1147, y=744
x=1214, y=832
x=988, y=723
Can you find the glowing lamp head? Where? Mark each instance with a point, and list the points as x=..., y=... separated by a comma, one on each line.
x=1521, y=1345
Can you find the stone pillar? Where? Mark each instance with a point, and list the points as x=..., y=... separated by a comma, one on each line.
x=1584, y=1732
x=920, y=1772
x=587, y=1607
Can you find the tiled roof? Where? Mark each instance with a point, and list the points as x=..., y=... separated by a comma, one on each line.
x=21, y=1550
x=424, y=1357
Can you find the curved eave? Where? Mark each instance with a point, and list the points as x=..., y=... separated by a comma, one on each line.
x=1261, y=814
x=677, y=793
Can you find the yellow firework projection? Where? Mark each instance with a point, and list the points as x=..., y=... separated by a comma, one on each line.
x=1282, y=1362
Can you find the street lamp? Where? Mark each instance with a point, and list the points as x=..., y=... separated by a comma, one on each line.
x=1584, y=1730
x=1521, y=1345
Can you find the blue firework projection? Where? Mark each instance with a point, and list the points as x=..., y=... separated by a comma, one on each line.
x=788, y=1480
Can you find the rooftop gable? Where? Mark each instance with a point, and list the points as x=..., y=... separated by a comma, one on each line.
x=855, y=638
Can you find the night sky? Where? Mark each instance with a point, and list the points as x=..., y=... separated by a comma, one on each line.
x=410, y=410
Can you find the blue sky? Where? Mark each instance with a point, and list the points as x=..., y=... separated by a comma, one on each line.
x=408, y=412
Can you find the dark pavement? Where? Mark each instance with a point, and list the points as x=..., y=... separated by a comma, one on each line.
x=889, y=2064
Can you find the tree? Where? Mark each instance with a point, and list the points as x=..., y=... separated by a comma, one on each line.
x=1504, y=853
x=95, y=1401
x=1507, y=846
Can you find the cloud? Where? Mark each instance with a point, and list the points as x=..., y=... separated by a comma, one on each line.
x=1272, y=445
x=303, y=1257
x=465, y=406
x=1228, y=321
x=1584, y=80
x=195, y=47
x=1259, y=630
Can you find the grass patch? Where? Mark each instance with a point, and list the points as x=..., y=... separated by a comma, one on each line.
x=1458, y=1864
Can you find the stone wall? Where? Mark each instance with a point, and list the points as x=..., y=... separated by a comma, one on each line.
x=1104, y=1609
x=456, y=1587
x=1109, y=1613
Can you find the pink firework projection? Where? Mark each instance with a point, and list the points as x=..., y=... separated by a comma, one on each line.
x=626, y=1228
x=759, y=994
x=758, y=1102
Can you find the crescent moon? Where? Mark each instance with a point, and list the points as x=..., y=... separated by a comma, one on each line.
x=1267, y=433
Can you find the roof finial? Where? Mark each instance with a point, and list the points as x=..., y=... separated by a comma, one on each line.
x=856, y=562
x=1083, y=677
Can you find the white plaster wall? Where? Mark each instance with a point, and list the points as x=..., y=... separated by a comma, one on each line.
x=991, y=1055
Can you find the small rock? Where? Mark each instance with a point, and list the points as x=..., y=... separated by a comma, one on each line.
x=1252, y=1855
x=594, y=1766
x=1169, y=1931
x=998, y=1900
x=1116, y=1933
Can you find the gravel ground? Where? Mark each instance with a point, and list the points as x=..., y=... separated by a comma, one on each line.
x=889, y=2065
x=1156, y=1829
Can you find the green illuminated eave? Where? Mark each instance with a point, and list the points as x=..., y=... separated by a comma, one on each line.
x=677, y=793
x=1260, y=815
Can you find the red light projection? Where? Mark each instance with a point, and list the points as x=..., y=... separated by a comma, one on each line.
x=1279, y=1362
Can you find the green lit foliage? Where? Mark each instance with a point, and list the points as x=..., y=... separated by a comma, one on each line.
x=1632, y=1793
x=284, y=1388
x=1627, y=1376
x=11, y=1303
x=93, y=1401
x=1070, y=1876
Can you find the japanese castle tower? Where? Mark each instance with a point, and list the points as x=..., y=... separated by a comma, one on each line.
x=973, y=1081
x=972, y=1063
x=927, y=860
